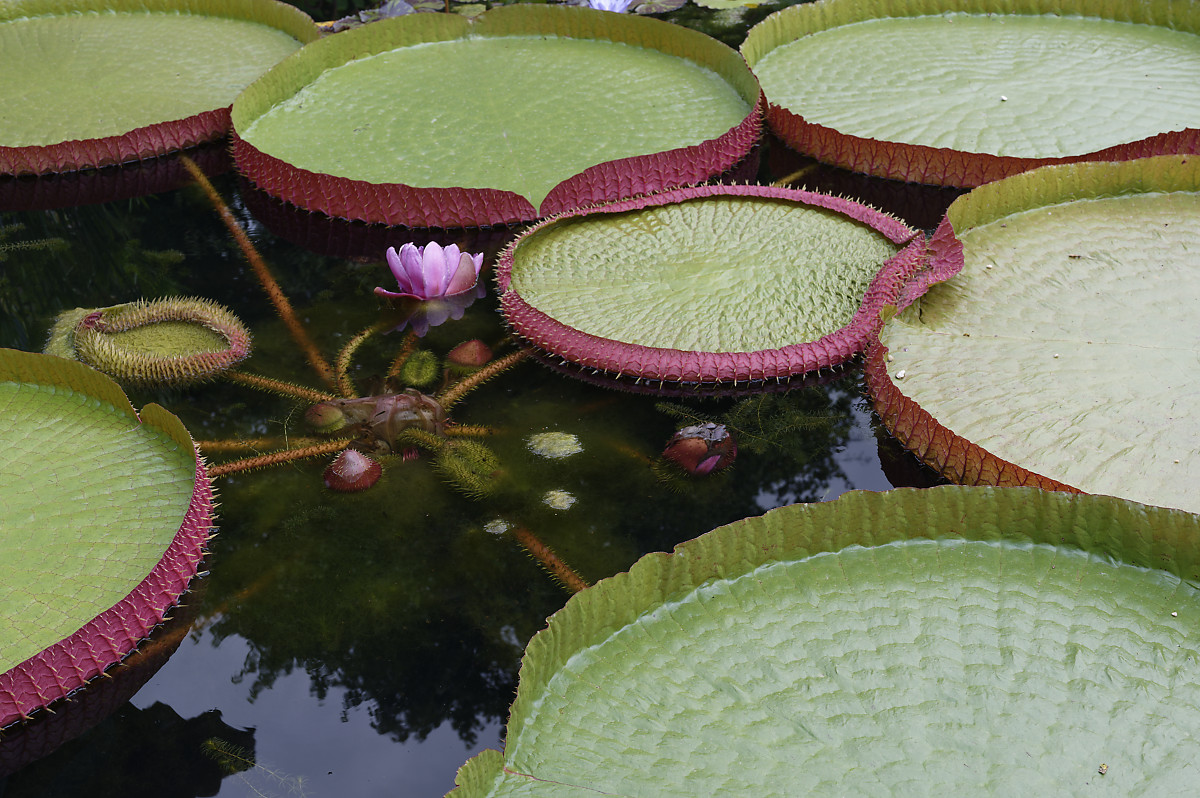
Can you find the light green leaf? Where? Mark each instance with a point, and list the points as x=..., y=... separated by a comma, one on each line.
x=951, y=641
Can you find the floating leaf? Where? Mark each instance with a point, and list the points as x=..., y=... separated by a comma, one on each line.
x=163, y=342
x=105, y=516
x=1057, y=354
x=89, y=83
x=710, y=284
x=961, y=92
x=947, y=641
x=434, y=120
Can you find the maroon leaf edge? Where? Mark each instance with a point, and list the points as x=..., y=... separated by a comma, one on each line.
x=102, y=642
x=454, y=207
x=896, y=279
x=940, y=166
x=140, y=144
x=161, y=138
x=951, y=455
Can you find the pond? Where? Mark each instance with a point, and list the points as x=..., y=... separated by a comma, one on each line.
x=367, y=644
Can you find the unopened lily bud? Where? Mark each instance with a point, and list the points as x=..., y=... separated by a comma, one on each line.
x=702, y=448
x=325, y=417
x=470, y=354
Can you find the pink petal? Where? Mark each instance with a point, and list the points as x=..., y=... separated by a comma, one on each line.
x=395, y=264
x=410, y=260
x=433, y=266
x=465, y=275
x=450, y=257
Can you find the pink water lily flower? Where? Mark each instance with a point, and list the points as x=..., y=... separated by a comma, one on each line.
x=619, y=6
x=431, y=272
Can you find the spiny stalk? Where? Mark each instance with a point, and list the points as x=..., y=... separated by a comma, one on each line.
x=283, y=307
x=252, y=444
x=342, y=367
x=277, y=387
x=406, y=349
x=559, y=569
x=794, y=176
x=448, y=398
x=275, y=458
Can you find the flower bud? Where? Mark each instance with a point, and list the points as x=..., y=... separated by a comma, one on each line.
x=325, y=417
x=702, y=448
x=352, y=471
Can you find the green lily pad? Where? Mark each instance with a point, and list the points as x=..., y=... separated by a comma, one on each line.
x=947, y=641
x=1059, y=350
x=172, y=341
x=710, y=284
x=436, y=120
x=960, y=92
x=104, y=520
x=87, y=83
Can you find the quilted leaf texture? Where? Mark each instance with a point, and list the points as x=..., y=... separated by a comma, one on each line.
x=948, y=641
x=106, y=517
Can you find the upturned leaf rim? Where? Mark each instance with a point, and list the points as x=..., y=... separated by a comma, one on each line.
x=902, y=275
x=955, y=457
x=150, y=141
x=110, y=636
x=459, y=207
x=1111, y=529
x=940, y=166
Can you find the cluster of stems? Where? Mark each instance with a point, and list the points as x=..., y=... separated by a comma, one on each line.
x=337, y=377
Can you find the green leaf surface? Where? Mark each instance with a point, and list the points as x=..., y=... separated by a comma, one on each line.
x=89, y=498
x=1067, y=343
x=446, y=108
x=1044, y=83
x=718, y=274
x=951, y=641
x=89, y=70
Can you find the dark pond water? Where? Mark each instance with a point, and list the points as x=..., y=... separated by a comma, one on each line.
x=368, y=644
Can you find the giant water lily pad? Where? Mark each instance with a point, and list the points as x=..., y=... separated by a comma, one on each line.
x=103, y=520
x=1061, y=350
x=960, y=92
x=437, y=120
x=710, y=284
x=88, y=83
x=946, y=641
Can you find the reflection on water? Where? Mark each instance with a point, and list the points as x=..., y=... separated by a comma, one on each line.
x=367, y=644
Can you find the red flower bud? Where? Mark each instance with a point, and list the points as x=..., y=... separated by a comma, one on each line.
x=352, y=471
x=702, y=448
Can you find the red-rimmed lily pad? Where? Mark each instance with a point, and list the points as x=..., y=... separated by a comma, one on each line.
x=105, y=517
x=945, y=641
x=1061, y=350
x=961, y=92
x=91, y=83
x=434, y=120
x=712, y=284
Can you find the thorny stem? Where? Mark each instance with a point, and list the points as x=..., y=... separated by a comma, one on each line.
x=469, y=431
x=252, y=444
x=268, y=385
x=561, y=571
x=794, y=176
x=423, y=439
x=282, y=306
x=275, y=458
x=344, y=386
x=406, y=349
x=448, y=398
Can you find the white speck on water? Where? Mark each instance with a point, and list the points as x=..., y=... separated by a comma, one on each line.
x=558, y=499
x=554, y=445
